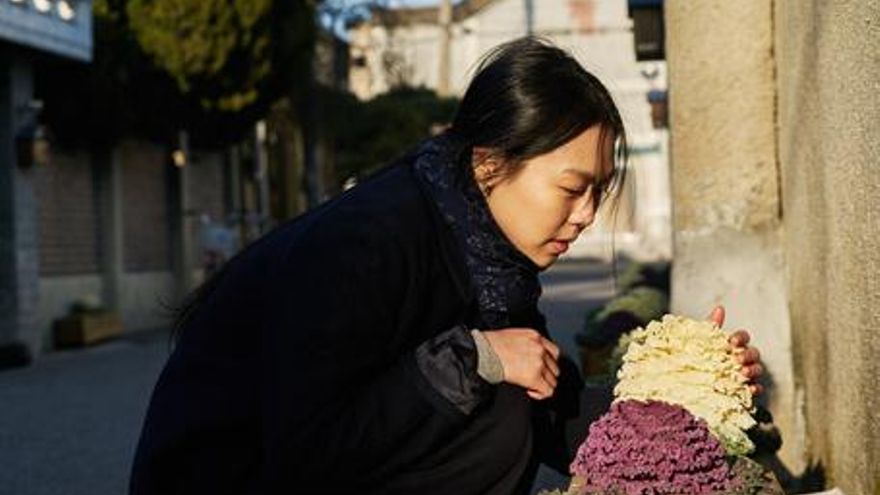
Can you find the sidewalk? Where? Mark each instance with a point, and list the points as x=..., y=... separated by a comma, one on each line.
x=69, y=423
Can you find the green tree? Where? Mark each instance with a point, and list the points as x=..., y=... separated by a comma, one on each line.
x=218, y=50
x=163, y=65
x=370, y=134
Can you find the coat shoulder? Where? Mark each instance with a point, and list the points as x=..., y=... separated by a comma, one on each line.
x=388, y=206
x=388, y=215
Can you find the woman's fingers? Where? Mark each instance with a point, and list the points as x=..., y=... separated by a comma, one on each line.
x=545, y=380
x=753, y=371
x=551, y=364
x=717, y=316
x=550, y=379
x=552, y=348
x=749, y=356
x=543, y=388
x=740, y=338
x=529, y=359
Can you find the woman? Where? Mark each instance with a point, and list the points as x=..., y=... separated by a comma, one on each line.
x=389, y=341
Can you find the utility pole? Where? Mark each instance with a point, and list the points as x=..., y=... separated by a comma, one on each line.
x=261, y=175
x=184, y=241
x=530, y=17
x=444, y=21
x=308, y=114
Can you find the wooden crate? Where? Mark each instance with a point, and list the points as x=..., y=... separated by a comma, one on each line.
x=86, y=329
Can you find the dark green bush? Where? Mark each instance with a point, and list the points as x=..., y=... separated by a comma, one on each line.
x=632, y=309
x=654, y=274
x=370, y=134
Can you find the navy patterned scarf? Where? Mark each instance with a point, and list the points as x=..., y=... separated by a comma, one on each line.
x=505, y=280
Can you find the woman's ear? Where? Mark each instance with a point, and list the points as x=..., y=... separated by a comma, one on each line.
x=486, y=166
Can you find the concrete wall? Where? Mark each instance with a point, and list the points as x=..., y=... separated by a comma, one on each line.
x=775, y=126
x=828, y=66
x=130, y=274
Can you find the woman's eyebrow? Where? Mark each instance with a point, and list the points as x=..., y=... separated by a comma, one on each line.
x=587, y=176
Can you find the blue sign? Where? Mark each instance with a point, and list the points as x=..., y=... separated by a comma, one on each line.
x=645, y=3
x=61, y=27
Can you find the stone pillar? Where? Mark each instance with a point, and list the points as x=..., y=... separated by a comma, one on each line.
x=828, y=54
x=728, y=238
x=19, y=250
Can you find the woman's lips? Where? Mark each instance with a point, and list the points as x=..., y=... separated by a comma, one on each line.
x=558, y=246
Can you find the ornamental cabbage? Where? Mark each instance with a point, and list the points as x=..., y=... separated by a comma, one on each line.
x=690, y=363
x=651, y=448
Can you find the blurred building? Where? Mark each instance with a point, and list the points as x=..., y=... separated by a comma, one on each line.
x=127, y=227
x=32, y=32
x=439, y=50
x=131, y=231
x=123, y=228
x=775, y=125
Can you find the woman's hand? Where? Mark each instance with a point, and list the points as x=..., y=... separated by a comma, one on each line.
x=748, y=356
x=529, y=360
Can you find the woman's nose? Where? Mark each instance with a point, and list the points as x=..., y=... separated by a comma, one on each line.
x=584, y=213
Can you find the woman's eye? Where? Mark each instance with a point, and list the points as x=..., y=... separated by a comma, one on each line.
x=574, y=192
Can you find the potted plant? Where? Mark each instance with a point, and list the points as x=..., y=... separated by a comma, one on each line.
x=88, y=322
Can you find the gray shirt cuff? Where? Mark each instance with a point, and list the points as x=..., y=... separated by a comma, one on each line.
x=489, y=365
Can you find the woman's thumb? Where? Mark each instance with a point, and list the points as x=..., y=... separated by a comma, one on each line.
x=717, y=316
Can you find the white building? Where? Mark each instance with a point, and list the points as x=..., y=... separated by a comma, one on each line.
x=404, y=47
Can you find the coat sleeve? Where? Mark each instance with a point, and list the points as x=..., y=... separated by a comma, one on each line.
x=337, y=408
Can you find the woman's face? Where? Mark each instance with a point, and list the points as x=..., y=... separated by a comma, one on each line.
x=550, y=199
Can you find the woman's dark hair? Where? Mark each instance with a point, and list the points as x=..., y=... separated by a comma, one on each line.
x=529, y=97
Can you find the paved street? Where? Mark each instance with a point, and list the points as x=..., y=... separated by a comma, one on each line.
x=571, y=288
x=68, y=424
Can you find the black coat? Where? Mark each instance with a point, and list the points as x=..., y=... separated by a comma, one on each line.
x=297, y=373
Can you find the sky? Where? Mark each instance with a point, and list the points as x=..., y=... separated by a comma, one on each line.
x=414, y=3
x=393, y=3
